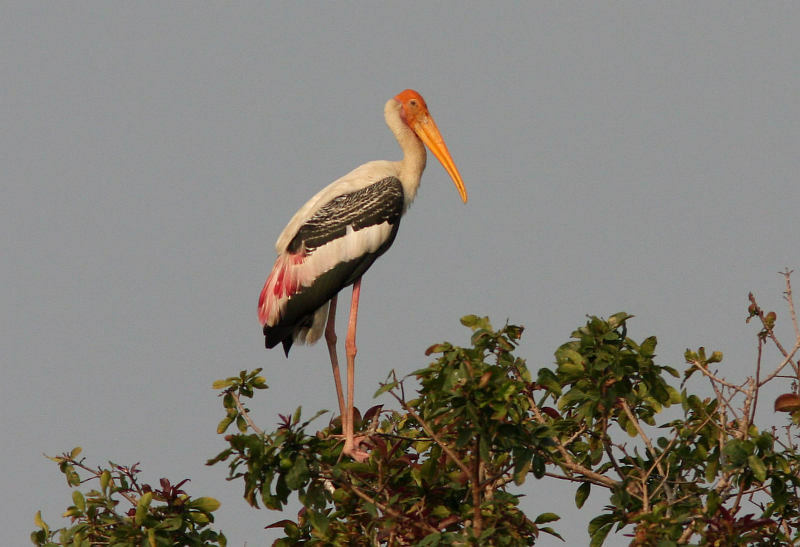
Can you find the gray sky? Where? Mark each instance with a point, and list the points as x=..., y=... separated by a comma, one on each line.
x=625, y=157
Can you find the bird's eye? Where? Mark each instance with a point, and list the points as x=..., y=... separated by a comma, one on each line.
x=413, y=102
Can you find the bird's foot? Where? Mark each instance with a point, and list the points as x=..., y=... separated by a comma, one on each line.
x=353, y=449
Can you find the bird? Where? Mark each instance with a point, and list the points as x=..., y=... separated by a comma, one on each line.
x=334, y=238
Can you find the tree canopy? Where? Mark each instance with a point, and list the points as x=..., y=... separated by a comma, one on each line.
x=466, y=431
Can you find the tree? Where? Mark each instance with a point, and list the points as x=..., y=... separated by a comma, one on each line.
x=122, y=511
x=445, y=464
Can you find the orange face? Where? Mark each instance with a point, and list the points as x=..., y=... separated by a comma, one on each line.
x=415, y=114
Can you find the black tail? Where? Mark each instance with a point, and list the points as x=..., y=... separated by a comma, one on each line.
x=279, y=335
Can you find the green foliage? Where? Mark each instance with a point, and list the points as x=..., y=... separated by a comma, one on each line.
x=445, y=465
x=162, y=516
x=440, y=468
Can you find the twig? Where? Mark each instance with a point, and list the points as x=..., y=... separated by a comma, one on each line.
x=687, y=533
x=788, y=295
x=609, y=453
x=771, y=334
x=653, y=453
x=568, y=462
x=787, y=359
x=348, y=485
x=477, y=520
x=447, y=450
x=757, y=381
x=243, y=411
x=716, y=378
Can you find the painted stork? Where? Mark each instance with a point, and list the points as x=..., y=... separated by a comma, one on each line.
x=337, y=235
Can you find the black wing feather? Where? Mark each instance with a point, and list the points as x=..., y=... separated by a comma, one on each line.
x=375, y=204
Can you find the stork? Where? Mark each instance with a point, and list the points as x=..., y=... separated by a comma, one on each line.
x=337, y=235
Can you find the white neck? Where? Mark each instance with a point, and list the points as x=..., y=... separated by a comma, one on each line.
x=414, y=155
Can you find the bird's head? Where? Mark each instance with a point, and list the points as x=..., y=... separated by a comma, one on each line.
x=414, y=113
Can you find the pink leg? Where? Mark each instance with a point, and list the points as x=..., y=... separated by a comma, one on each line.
x=330, y=338
x=350, y=349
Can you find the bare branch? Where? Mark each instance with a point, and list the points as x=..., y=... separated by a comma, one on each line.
x=788, y=359
x=787, y=274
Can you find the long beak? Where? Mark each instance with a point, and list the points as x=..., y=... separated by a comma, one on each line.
x=426, y=129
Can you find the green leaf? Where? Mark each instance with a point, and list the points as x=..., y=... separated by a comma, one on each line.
x=222, y=384
x=470, y=320
x=582, y=493
x=209, y=505
x=736, y=452
x=674, y=395
x=75, y=452
x=73, y=479
x=319, y=521
x=712, y=502
x=142, y=507
x=599, y=527
x=568, y=355
x=385, y=387
x=79, y=500
x=758, y=467
x=298, y=474
x=483, y=448
x=37, y=520
x=440, y=511
x=630, y=428
x=223, y=425
x=546, y=517
x=438, y=348
x=648, y=347
x=538, y=464
x=548, y=379
x=171, y=524
x=105, y=479
x=521, y=468
x=618, y=319
x=296, y=415
x=228, y=401
x=548, y=530
x=474, y=322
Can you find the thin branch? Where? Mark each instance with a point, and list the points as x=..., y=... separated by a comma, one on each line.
x=243, y=411
x=348, y=485
x=771, y=334
x=646, y=439
x=576, y=479
x=477, y=519
x=402, y=437
x=716, y=378
x=788, y=295
x=786, y=360
x=447, y=450
x=748, y=413
x=568, y=462
x=687, y=533
x=757, y=381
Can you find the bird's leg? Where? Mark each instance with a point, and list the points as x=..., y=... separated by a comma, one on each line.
x=350, y=447
x=330, y=338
